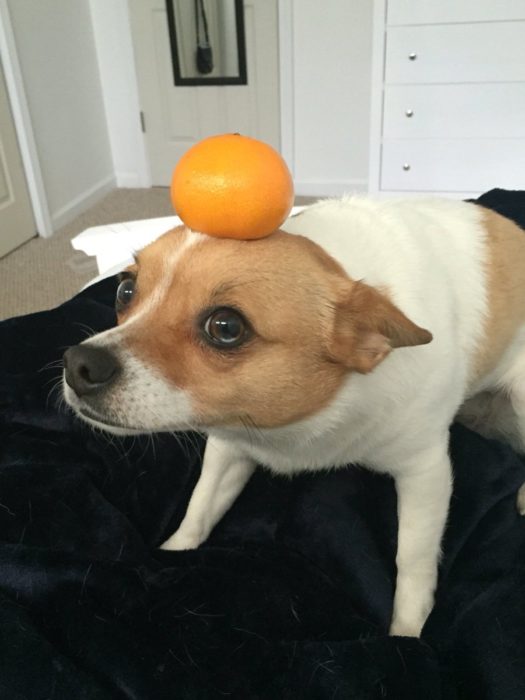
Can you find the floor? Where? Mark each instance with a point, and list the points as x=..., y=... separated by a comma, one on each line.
x=45, y=272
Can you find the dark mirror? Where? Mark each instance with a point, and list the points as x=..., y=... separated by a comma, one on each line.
x=207, y=42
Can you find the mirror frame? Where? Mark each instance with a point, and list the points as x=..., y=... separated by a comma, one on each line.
x=241, y=79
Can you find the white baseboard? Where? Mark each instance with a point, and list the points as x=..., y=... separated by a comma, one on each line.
x=329, y=188
x=83, y=201
x=131, y=180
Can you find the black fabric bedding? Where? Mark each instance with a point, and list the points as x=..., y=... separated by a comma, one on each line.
x=290, y=597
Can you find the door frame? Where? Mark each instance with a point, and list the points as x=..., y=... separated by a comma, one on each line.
x=285, y=10
x=23, y=125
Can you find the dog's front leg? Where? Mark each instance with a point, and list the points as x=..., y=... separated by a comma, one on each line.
x=423, y=493
x=224, y=474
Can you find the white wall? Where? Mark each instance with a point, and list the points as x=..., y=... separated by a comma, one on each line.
x=326, y=93
x=112, y=31
x=326, y=55
x=79, y=76
x=56, y=50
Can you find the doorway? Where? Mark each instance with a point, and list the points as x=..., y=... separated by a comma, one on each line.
x=176, y=116
x=17, y=224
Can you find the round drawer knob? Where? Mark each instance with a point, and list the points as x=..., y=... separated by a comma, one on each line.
x=406, y=166
x=409, y=112
x=412, y=56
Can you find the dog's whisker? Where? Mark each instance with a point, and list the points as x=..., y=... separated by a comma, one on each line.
x=192, y=437
x=54, y=364
x=57, y=386
x=189, y=443
x=56, y=380
x=246, y=427
x=87, y=330
x=177, y=439
x=263, y=437
x=152, y=437
x=147, y=441
x=118, y=442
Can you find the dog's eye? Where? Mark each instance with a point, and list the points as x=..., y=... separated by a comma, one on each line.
x=125, y=292
x=226, y=328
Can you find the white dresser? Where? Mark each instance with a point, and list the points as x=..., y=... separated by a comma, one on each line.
x=448, y=97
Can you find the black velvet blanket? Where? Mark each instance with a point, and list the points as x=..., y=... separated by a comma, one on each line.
x=291, y=596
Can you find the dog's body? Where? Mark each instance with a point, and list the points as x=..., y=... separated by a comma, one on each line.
x=313, y=383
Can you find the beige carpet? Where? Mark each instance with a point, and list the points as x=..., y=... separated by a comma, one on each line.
x=46, y=271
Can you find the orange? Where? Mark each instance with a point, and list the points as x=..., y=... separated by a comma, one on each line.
x=232, y=186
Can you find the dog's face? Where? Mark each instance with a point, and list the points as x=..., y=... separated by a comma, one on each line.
x=224, y=333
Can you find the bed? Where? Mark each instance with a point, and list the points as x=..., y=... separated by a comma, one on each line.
x=289, y=598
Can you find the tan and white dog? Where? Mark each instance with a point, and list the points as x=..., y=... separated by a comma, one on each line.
x=354, y=336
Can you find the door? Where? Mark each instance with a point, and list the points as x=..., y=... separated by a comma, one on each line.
x=176, y=116
x=16, y=215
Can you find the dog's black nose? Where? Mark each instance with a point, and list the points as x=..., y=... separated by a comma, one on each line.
x=89, y=369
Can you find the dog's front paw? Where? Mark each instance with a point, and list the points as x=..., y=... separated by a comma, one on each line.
x=403, y=628
x=181, y=541
x=413, y=602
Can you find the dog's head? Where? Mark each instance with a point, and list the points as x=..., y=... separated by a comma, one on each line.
x=221, y=332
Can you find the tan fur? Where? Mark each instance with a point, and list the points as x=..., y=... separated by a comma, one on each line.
x=311, y=325
x=505, y=289
x=368, y=327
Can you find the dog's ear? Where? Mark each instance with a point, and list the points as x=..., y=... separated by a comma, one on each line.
x=368, y=326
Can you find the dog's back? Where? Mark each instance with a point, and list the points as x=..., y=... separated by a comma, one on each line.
x=451, y=266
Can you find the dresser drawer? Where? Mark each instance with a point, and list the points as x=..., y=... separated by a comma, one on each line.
x=446, y=165
x=456, y=53
x=437, y=11
x=454, y=111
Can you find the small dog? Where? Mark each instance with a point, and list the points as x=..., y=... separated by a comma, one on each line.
x=353, y=335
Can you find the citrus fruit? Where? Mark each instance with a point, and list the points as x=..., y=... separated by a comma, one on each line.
x=232, y=186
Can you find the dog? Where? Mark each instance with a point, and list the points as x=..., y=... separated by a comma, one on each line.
x=354, y=334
